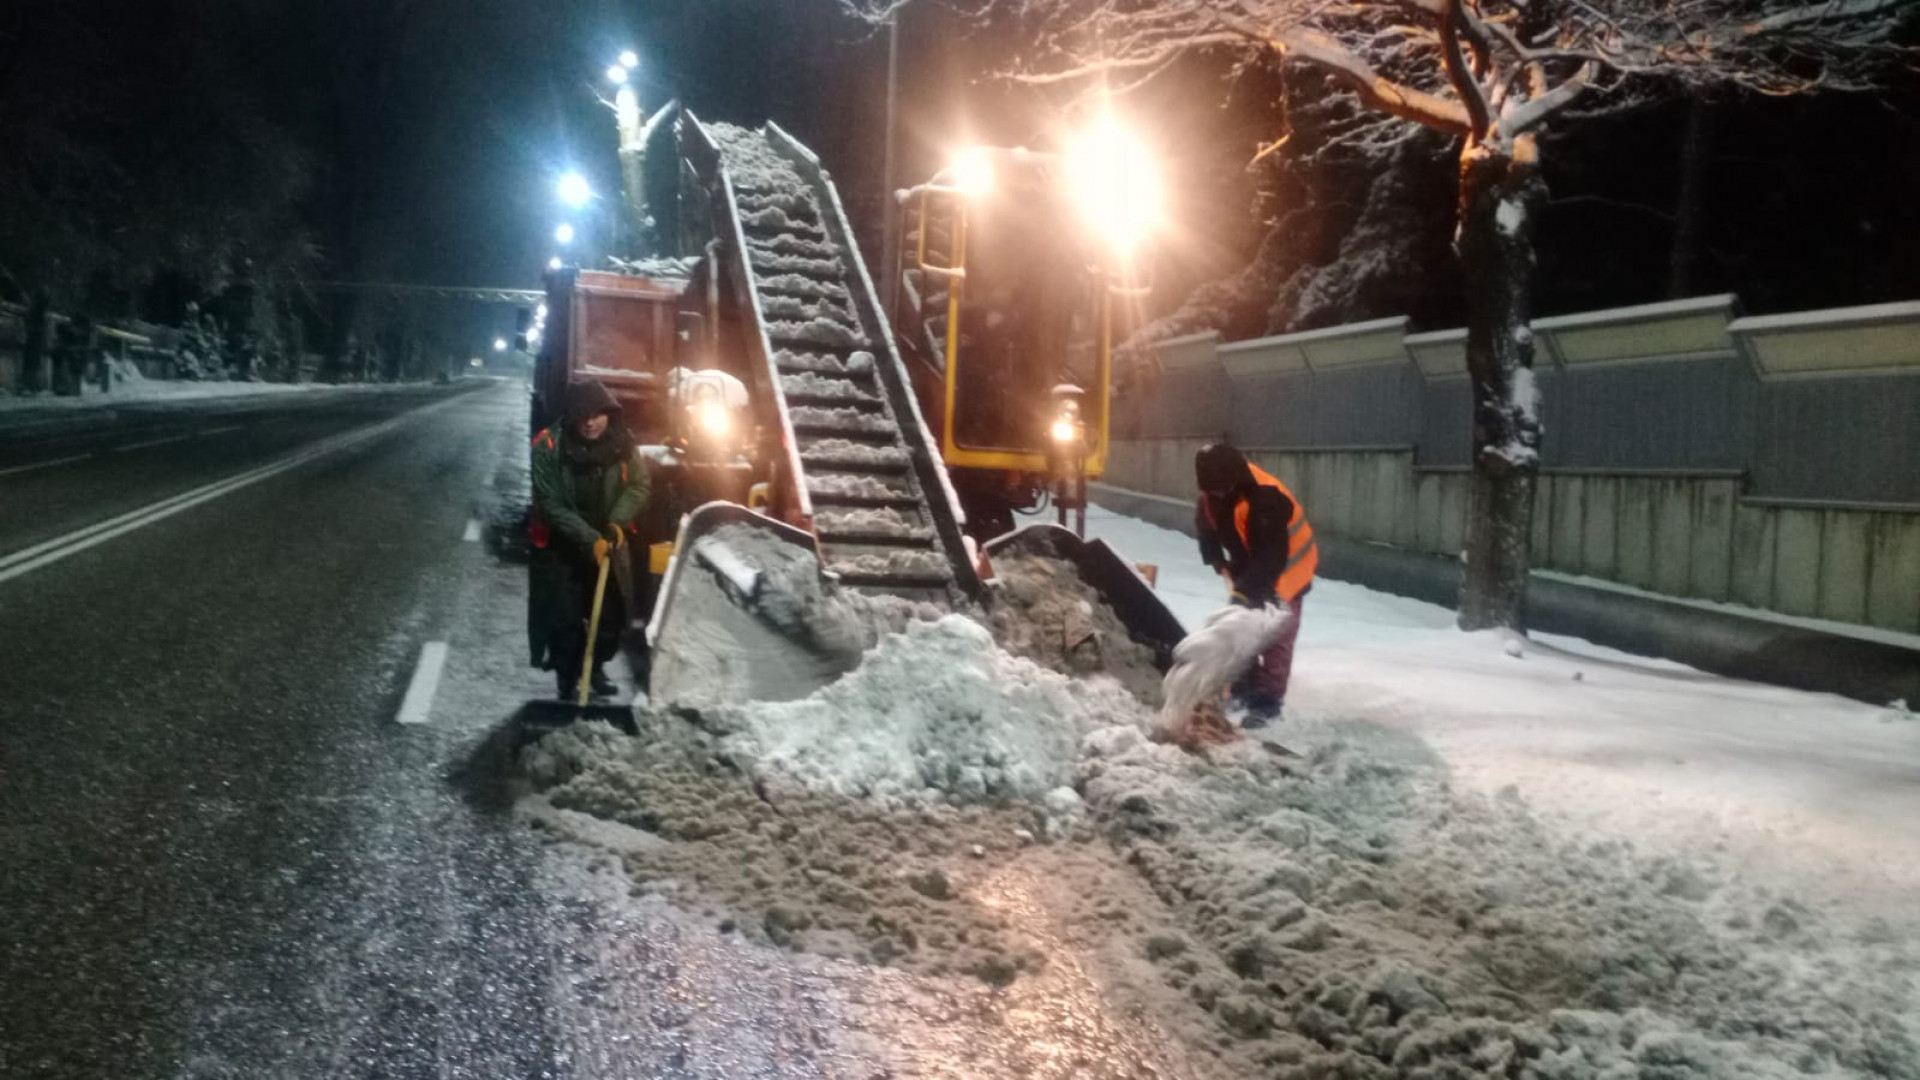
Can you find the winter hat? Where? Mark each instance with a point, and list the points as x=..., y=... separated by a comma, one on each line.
x=589, y=398
x=1219, y=467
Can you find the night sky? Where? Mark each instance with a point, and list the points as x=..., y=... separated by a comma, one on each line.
x=420, y=140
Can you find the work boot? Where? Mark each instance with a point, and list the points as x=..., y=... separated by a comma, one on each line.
x=600, y=684
x=1253, y=711
x=567, y=687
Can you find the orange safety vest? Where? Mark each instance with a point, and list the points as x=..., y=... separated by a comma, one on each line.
x=1303, y=554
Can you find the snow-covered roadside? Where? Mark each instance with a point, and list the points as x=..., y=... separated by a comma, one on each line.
x=1354, y=912
x=152, y=391
x=1811, y=792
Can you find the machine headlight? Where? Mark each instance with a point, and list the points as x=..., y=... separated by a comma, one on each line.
x=972, y=171
x=711, y=418
x=1065, y=430
x=1115, y=181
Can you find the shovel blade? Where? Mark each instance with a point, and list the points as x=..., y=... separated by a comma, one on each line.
x=536, y=718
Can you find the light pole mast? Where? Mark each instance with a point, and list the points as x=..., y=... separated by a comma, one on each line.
x=890, y=219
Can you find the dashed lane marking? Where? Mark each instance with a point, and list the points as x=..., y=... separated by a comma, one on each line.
x=417, y=706
x=44, y=464
x=152, y=443
x=218, y=430
x=472, y=534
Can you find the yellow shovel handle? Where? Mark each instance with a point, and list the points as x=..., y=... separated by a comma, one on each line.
x=593, y=632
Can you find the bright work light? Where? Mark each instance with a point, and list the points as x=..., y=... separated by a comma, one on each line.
x=1114, y=179
x=629, y=59
x=574, y=190
x=972, y=171
x=563, y=234
x=616, y=74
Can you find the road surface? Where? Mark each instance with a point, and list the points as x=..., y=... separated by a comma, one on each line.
x=224, y=856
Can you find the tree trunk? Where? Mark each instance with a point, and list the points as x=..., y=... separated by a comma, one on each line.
x=33, y=351
x=1500, y=194
x=1683, y=259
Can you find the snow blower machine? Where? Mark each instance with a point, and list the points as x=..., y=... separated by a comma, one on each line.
x=811, y=465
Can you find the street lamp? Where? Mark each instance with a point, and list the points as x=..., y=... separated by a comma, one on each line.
x=574, y=190
x=499, y=344
x=629, y=59
x=617, y=75
x=563, y=234
x=554, y=263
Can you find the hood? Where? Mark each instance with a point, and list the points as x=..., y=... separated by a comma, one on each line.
x=1219, y=467
x=588, y=398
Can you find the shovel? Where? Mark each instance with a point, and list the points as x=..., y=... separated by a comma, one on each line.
x=549, y=714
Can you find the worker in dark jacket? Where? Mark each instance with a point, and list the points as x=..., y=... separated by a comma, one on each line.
x=1254, y=533
x=589, y=487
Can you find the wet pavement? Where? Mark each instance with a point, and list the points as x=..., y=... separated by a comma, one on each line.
x=224, y=858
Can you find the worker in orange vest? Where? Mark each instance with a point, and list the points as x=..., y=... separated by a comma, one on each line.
x=1254, y=533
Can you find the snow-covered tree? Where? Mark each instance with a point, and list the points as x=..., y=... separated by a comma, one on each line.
x=1492, y=74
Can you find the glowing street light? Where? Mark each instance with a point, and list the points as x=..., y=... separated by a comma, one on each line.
x=1114, y=175
x=617, y=75
x=563, y=234
x=574, y=190
x=554, y=263
x=541, y=311
x=499, y=344
x=629, y=59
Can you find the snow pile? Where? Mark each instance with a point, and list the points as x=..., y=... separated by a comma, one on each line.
x=813, y=384
x=805, y=247
x=860, y=487
x=1212, y=657
x=935, y=713
x=775, y=218
x=754, y=163
x=795, y=599
x=853, y=453
x=1355, y=916
x=1044, y=612
x=876, y=521
x=784, y=265
x=787, y=306
x=842, y=419
x=817, y=330
x=892, y=564
x=795, y=285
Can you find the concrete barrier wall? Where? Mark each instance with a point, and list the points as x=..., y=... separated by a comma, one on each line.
x=1677, y=533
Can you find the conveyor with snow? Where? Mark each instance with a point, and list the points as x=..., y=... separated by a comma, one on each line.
x=861, y=470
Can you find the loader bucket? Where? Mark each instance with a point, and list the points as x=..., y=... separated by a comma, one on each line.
x=1139, y=608
x=723, y=629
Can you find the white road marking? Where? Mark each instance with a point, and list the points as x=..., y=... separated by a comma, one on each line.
x=47, y=552
x=152, y=442
x=473, y=531
x=417, y=706
x=44, y=464
x=218, y=430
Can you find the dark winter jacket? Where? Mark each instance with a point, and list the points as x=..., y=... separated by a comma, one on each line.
x=579, y=488
x=1271, y=550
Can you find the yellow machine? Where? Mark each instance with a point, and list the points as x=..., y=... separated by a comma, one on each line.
x=1019, y=269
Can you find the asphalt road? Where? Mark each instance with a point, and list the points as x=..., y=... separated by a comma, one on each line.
x=221, y=854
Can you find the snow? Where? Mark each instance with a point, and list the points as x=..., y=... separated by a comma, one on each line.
x=814, y=384
x=1475, y=866
x=1509, y=216
x=819, y=331
x=1877, y=634
x=847, y=419
x=1811, y=788
x=853, y=453
x=880, y=521
x=162, y=390
x=865, y=487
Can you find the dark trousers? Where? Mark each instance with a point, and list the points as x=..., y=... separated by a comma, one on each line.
x=1268, y=677
x=573, y=607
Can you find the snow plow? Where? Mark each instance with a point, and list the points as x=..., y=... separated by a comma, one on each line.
x=791, y=532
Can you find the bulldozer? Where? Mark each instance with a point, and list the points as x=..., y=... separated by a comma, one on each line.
x=807, y=458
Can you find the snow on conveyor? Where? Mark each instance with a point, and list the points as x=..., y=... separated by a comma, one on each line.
x=878, y=529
